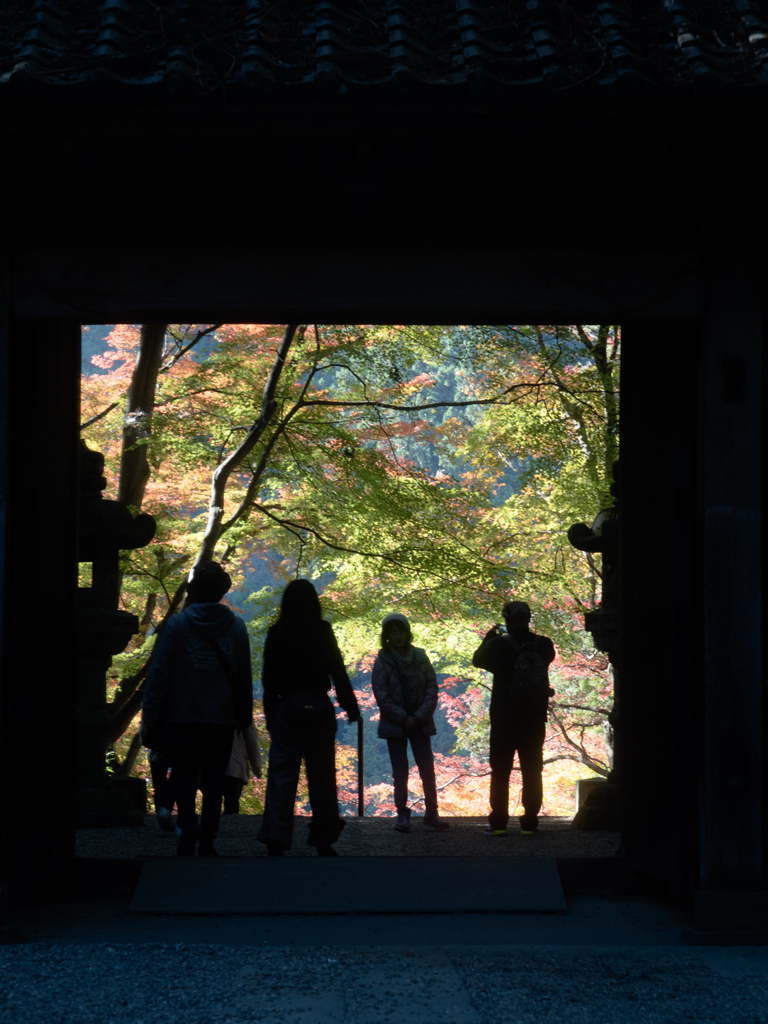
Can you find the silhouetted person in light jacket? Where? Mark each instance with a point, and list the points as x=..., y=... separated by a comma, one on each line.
x=301, y=657
x=200, y=684
x=513, y=729
x=405, y=687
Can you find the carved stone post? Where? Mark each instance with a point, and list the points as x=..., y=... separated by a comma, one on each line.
x=106, y=528
x=603, y=537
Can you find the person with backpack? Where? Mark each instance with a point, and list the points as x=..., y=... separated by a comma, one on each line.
x=198, y=692
x=519, y=661
x=405, y=687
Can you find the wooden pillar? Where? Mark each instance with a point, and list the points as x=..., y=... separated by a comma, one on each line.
x=730, y=664
x=658, y=728
x=5, y=807
x=41, y=360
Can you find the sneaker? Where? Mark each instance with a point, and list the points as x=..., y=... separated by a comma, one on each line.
x=164, y=819
x=403, y=823
x=489, y=830
x=527, y=831
x=436, y=824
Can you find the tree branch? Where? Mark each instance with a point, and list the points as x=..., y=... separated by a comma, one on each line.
x=530, y=385
x=456, y=778
x=183, y=351
x=291, y=526
x=127, y=689
x=584, y=756
x=123, y=718
x=581, y=707
x=247, y=503
x=99, y=416
x=224, y=469
x=130, y=756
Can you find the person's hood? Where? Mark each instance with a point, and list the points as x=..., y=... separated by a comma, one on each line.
x=211, y=618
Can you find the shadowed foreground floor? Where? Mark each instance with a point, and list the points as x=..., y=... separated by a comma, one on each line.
x=366, y=837
x=612, y=959
x=214, y=984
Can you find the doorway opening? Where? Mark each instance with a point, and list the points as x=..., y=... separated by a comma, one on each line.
x=428, y=470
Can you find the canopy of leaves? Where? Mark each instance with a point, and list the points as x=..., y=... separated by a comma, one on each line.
x=432, y=470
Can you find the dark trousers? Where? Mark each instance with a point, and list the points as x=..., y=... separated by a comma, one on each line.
x=421, y=747
x=311, y=737
x=232, y=791
x=199, y=753
x=528, y=741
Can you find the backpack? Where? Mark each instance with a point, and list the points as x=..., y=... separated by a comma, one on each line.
x=529, y=687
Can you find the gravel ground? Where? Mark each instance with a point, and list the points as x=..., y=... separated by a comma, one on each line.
x=201, y=984
x=366, y=837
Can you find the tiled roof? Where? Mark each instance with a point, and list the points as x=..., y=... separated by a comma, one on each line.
x=614, y=47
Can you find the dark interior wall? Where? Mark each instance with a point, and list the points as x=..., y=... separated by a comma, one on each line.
x=693, y=696
x=668, y=721
x=532, y=220
x=39, y=584
x=368, y=188
x=764, y=624
x=660, y=716
x=729, y=583
x=5, y=820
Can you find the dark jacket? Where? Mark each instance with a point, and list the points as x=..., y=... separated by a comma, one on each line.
x=187, y=683
x=497, y=655
x=304, y=661
x=388, y=691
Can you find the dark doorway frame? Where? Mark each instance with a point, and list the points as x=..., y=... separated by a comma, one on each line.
x=666, y=303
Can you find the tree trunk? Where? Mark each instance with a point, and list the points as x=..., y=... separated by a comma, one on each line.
x=123, y=718
x=130, y=757
x=134, y=464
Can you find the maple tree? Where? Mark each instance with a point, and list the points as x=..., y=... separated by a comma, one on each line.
x=432, y=469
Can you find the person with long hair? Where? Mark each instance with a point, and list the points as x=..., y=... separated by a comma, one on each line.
x=301, y=657
x=405, y=688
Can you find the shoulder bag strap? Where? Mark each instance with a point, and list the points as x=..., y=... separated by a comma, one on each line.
x=511, y=640
x=534, y=641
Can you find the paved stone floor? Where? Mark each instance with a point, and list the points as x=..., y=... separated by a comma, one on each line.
x=364, y=837
x=609, y=961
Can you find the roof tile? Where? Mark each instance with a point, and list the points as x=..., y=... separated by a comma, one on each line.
x=652, y=47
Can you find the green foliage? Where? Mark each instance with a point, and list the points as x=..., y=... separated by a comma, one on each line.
x=442, y=513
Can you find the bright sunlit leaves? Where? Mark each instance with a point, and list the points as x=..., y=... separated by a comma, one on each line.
x=431, y=470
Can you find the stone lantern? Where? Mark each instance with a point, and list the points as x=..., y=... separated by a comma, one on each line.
x=106, y=529
x=602, y=537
